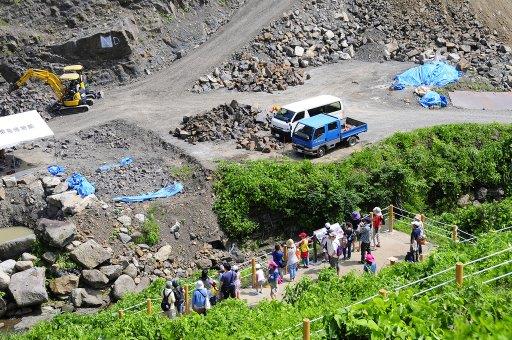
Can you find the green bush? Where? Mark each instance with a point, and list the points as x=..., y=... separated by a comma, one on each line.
x=425, y=170
x=151, y=228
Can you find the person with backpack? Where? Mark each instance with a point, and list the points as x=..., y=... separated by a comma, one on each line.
x=417, y=239
x=333, y=251
x=200, y=299
x=348, y=239
x=260, y=278
x=377, y=223
x=278, y=258
x=304, y=249
x=364, y=232
x=179, y=296
x=227, y=282
x=292, y=260
x=370, y=265
x=168, y=300
x=356, y=222
x=273, y=278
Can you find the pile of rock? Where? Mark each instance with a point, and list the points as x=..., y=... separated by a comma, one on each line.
x=319, y=32
x=247, y=125
x=316, y=32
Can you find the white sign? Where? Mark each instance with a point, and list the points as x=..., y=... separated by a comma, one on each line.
x=22, y=127
x=106, y=41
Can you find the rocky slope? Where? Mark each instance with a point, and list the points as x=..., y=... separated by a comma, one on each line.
x=116, y=41
x=318, y=32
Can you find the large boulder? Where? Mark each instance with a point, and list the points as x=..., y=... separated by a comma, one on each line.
x=90, y=254
x=7, y=266
x=56, y=233
x=23, y=265
x=3, y=307
x=4, y=280
x=124, y=284
x=112, y=271
x=14, y=248
x=94, y=278
x=64, y=285
x=70, y=202
x=163, y=253
x=116, y=43
x=81, y=297
x=28, y=287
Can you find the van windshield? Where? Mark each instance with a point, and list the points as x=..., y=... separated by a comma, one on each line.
x=303, y=131
x=285, y=115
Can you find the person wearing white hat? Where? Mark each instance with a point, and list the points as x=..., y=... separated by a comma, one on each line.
x=260, y=278
x=377, y=223
x=200, y=300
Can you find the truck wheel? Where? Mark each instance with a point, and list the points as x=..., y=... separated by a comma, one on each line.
x=352, y=141
x=321, y=152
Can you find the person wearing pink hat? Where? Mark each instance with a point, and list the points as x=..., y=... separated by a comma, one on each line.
x=370, y=265
x=273, y=277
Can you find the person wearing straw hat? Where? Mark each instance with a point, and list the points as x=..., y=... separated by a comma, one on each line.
x=260, y=279
x=292, y=259
x=378, y=222
x=304, y=249
x=200, y=300
x=333, y=251
x=273, y=277
x=168, y=300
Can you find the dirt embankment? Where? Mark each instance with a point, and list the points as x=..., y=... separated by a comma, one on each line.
x=497, y=15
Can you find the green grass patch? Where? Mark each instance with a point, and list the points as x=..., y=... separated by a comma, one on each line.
x=151, y=228
x=182, y=172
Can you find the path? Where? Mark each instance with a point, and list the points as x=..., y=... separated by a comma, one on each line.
x=394, y=244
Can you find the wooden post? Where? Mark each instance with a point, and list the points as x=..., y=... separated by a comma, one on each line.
x=383, y=293
x=306, y=329
x=253, y=266
x=187, y=302
x=315, y=250
x=459, y=273
x=454, y=233
x=421, y=257
x=391, y=214
x=120, y=313
x=149, y=306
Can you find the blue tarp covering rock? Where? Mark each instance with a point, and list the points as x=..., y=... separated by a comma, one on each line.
x=79, y=183
x=168, y=191
x=433, y=99
x=123, y=162
x=431, y=74
x=55, y=170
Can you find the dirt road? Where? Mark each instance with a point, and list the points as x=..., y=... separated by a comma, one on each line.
x=159, y=101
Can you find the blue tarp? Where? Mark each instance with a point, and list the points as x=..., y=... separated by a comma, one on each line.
x=79, y=183
x=167, y=191
x=56, y=170
x=433, y=98
x=123, y=162
x=431, y=74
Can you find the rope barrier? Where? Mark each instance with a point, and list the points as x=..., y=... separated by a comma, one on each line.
x=487, y=256
x=500, y=230
x=489, y=268
x=498, y=277
x=432, y=288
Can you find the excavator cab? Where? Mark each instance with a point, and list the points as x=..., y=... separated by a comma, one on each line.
x=84, y=88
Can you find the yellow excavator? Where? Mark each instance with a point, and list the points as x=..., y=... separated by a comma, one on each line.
x=84, y=88
x=69, y=98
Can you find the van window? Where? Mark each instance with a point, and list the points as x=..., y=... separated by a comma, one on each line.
x=332, y=126
x=319, y=132
x=315, y=111
x=333, y=107
x=299, y=116
x=285, y=115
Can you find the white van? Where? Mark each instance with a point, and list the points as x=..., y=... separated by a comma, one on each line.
x=286, y=118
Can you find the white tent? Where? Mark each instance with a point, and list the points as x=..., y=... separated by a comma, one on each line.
x=22, y=127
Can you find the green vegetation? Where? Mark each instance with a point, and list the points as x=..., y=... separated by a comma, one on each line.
x=475, y=83
x=181, y=172
x=64, y=262
x=166, y=16
x=457, y=311
x=151, y=227
x=425, y=170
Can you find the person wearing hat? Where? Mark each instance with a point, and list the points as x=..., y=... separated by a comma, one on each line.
x=417, y=238
x=370, y=265
x=200, y=299
x=304, y=249
x=168, y=300
x=364, y=232
x=292, y=259
x=179, y=296
x=377, y=223
x=227, y=282
x=273, y=277
x=324, y=240
x=260, y=279
x=333, y=246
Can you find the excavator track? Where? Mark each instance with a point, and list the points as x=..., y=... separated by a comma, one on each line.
x=68, y=110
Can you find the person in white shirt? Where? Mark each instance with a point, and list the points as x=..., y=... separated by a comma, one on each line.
x=332, y=251
x=292, y=259
x=260, y=279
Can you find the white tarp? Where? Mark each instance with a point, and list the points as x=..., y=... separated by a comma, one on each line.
x=22, y=127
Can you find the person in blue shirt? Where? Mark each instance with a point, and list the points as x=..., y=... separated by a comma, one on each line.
x=278, y=258
x=200, y=301
x=370, y=265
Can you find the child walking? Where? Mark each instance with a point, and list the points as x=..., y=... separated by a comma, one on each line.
x=260, y=278
x=304, y=249
x=273, y=277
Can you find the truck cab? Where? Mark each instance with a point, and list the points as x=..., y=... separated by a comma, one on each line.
x=315, y=135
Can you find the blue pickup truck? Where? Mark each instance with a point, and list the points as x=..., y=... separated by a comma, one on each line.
x=317, y=134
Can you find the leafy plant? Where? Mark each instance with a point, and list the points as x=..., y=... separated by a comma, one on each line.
x=151, y=227
x=182, y=172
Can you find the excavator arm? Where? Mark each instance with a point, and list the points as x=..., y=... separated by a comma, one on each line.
x=45, y=76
